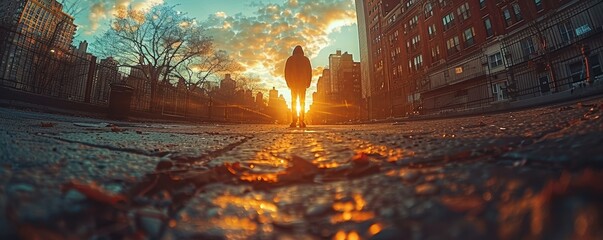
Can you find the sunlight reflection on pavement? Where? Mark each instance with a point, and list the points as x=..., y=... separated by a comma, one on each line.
x=506, y=176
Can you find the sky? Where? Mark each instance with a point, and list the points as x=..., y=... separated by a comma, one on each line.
x=260, y=34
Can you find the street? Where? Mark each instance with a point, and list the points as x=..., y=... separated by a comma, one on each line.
x=531, y=174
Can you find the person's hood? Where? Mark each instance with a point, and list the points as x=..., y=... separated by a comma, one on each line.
x=298, y=51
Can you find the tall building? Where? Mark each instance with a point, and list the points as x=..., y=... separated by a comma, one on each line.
x=42, y=20
x=228, y=87
x=334, y=66
x=273, y=97
x=106, y=74
x=455, y=55
x=365, y=64
x=78, y=74
x=36, y=36
x=338, y=95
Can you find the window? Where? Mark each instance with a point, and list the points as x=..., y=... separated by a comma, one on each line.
x=418, y=62
x=577, y=71
x=538, y=4
x=463, y=11
x=469, y=37
x=527, y=47
x=482, y=3
x=431, y=31
x=428, y=10
x=448, y=21
x=507, y=16
x=435, y=53
x=443, y=3
x=496, y=60
x=410, y=3
x=413, y=22
x=517, y=12
x=415, y=41
x=488, y=25
x=453, y=45
x=567, y=32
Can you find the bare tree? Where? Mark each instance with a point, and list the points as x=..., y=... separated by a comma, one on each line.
x=72, y=7
x=198, y=70
x=156, y=42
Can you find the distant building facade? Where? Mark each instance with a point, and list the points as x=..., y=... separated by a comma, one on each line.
x=106, y=74
x=338, y=95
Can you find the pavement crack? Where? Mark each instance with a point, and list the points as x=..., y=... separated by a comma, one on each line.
x=214, y=153
x=113, y=148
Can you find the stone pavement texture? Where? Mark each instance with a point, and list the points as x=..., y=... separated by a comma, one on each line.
x=532, y=174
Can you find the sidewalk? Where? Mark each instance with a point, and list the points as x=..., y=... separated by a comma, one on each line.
x=481, y=177
x=561, y=98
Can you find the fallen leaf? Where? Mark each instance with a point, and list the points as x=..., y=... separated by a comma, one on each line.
x=360, y=159
x=462, y=204
x=47, y=124
x=300, y=169
x=117, y=129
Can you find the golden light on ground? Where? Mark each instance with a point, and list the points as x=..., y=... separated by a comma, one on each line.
x=375, y=228
x=351, y=211
x=246, y=203
x=342, y=235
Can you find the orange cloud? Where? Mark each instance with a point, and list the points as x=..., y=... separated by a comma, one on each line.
x=104, y=9
x=263, y=41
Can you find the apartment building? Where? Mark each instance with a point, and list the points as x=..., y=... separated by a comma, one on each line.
x=453, y=55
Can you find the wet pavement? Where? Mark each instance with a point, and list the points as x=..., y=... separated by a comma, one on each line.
x=532, y=174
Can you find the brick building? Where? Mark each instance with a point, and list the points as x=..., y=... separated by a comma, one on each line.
x=35, y=40
x=453, y=55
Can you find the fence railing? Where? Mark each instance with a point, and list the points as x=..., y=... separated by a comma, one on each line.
x=32, y=65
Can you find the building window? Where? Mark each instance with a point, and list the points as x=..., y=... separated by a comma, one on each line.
x=418, y=62
x=410, y=3
x=527, y=47
x=507, y=16
x=488, y=25
x=453, y=45
x=517, y=12
x=415, y=42
x=463, y=11
x=538, y=4
x=443, y=3
x=482, y=3
x=577, y=71
x=432, y=31
x=413, y=22
x=567, y=32
x=428, y=10
x=448, y=21
x=469, y=37
x=435, y=54
x=496, y=60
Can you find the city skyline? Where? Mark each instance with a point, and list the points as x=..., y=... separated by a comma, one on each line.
x=260, y=35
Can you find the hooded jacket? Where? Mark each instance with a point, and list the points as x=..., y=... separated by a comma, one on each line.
x=298, y=71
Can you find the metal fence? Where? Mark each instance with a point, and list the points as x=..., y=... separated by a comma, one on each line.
x=32, y=66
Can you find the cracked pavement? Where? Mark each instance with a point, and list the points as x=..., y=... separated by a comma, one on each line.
x=526, y=174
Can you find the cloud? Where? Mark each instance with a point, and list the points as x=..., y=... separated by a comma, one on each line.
x=261, y=42
x=105, y=9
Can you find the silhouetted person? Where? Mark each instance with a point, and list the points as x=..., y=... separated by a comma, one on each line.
x=298, y=74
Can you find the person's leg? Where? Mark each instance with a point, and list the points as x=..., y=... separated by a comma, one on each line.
x=294, y=94
x=302, y=105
